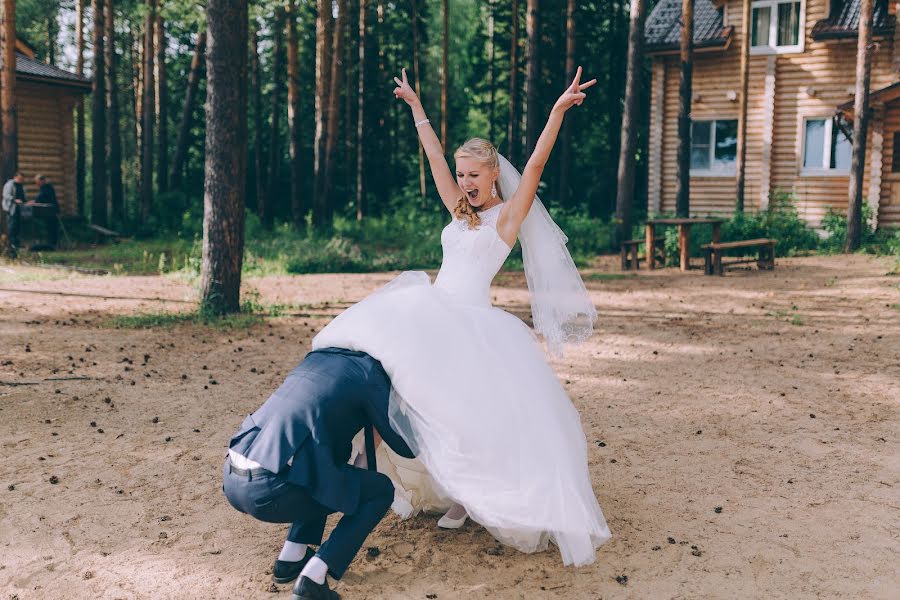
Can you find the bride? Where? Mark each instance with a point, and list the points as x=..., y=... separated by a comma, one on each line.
x=473, y=393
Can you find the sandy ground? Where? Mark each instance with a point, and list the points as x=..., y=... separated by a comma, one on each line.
x=774, y=396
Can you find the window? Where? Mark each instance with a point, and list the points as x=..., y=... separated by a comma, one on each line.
x=776, y=26
x=714, y=146
x=825, y=147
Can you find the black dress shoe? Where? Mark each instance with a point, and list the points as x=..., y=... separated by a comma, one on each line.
x=286, y=571
x=307, y=589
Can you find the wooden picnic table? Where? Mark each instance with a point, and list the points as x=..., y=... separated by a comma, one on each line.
x=684, y=236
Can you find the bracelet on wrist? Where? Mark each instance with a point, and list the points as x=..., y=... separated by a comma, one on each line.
x=422, y=122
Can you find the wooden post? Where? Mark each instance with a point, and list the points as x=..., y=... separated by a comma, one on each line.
x=651, y=249
x=742, y=110
x=860, y=126
x=684, y=237
x=683, y=166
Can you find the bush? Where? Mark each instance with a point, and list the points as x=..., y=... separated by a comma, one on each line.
x=884, y=241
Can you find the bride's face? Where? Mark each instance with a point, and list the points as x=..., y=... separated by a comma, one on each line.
x=475, y=179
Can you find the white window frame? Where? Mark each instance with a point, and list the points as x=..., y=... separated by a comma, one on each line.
x=773, y=27
x=824, y=170
x=712, y=171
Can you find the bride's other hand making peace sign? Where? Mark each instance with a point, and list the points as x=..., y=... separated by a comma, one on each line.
x=404, y=91
x=574, y=94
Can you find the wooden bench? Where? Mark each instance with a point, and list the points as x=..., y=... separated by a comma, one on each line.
x=713, y=255
x=631, y=259
x=102, y=233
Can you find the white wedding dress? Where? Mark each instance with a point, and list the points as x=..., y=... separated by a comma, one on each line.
x=474, y=396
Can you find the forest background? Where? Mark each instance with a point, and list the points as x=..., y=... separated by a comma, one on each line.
x=486, y=68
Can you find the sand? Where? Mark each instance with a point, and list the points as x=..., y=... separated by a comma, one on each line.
x=742, y=441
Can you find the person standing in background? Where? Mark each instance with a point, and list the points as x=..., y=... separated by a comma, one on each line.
x=13, y=199
x=50, y=211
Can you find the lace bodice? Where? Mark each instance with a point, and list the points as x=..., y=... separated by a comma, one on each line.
x=472, y=257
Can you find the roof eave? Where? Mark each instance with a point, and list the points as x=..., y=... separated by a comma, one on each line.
x=720, y=44
x=84, y=87
x=884, y=95
x=823, y=30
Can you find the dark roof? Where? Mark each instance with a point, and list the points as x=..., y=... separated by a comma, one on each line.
x=663, y=28
x=34, y=70
x=844, y=21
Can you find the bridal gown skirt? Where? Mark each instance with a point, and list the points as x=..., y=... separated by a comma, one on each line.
x=488, y=418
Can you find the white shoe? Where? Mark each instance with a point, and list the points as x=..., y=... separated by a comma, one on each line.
x=446, y=522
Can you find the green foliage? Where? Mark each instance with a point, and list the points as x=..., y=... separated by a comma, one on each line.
x=780, y=221
x=885, y=241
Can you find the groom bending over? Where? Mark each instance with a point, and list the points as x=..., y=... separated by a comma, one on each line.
x=288, y=464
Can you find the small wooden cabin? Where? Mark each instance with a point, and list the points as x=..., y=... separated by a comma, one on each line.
x=45, y=103
x=801, y=88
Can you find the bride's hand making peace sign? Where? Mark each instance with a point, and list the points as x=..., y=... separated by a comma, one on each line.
x=404, y=91
x=574, y=94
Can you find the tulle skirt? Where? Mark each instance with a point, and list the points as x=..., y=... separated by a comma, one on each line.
x=488, y=418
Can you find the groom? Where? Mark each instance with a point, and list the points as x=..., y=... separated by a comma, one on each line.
x=288, y=464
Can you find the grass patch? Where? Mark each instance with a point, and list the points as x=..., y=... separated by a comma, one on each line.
x=797, y=320
x=126, y=257
x=895, y=306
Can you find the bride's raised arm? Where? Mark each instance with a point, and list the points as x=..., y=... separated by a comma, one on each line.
x=517, y=207
x=440, y=171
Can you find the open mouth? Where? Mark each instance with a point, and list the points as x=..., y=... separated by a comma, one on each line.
x=472, y=194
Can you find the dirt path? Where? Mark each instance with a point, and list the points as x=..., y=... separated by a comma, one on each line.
x=774, y=396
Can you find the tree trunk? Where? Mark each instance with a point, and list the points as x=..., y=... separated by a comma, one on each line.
x=137, y=64
x=860, y=126
x=627, y=154
x=117, y=193
x=492, y=79
x=513, y=130
x=226, y=156
x=274, y=160
x=532, y=61
x=79, y=104
x=324, y=27
x=331, y=132
x=683, y=156
x=149, y=114
x=98, y=123
x=258, y=163
x=9, y=118
x=162, y=108
x=295, y=142
x=445, y=68
x=52, y=32
x=565, y=160
x=741, y=162
x=415, y=49
x=187, y=112
x=360, y=94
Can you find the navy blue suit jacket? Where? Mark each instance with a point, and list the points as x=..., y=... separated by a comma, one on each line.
x=312, y=419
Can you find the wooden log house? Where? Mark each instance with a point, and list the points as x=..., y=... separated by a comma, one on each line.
x=800, y=99
x=45, y=103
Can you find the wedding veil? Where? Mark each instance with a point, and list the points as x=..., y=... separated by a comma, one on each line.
x=561, y=309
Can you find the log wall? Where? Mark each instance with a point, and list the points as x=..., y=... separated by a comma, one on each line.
x=46, y=140
x=784, y=90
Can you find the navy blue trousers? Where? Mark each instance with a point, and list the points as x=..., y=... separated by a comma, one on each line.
x=271, y=498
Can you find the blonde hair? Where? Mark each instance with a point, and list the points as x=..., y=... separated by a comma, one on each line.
x=484, y=152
